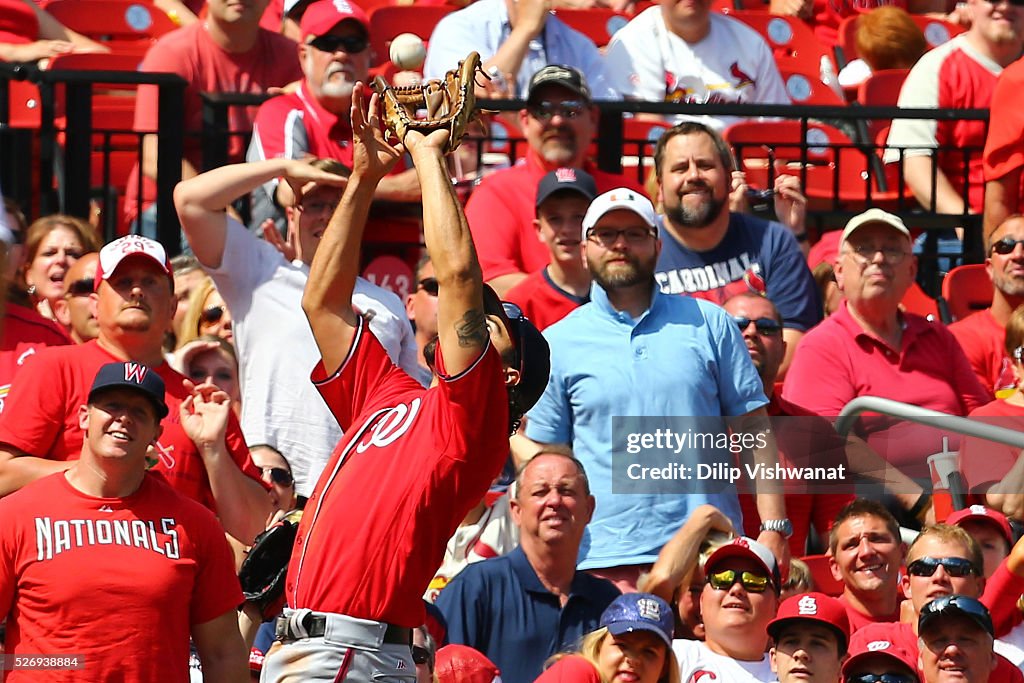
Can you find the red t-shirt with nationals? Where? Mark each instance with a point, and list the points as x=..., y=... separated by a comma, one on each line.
x=41, y=417
x=190, y=53
x=502, y=209
x=982, y=340
x=118, y=581
x=542, y=301
x=410, y=466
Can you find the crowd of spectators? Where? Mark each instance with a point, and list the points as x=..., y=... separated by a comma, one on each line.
x=260, y=373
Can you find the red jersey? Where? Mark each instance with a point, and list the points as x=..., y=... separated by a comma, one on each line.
x=118, y=581
x=542, y=301
x=859, y=620
x=190, y=53
x=803, y=440
x=502, y=209
x=24, y=333
x=412, y=463
x=41, y=417
x=1004, y=147
x=981, y=338
x=18, y=23
x=326, y=135
x=983, y=463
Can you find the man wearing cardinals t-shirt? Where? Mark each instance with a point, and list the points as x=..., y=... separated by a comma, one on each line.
x=105, y=570
x=133, y=304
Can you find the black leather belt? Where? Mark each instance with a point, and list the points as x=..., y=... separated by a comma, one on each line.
x=316, y=626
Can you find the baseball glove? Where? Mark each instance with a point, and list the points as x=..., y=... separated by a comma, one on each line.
x=263, y=571
x=450, y=103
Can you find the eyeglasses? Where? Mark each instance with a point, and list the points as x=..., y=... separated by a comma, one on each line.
x=545, y=111
x=83, y=287
x=420, y=655
x=515, y=313
x=954, y=566
x=279, y=476
x=765, y=326
x=429, y=285
x=893, y=256
x=881, y=678
x=1007, y=244
x=212, y=314
x=751, y=582
x=353, y=45
x=607, y=237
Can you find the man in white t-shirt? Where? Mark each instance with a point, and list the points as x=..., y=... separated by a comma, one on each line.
x=684, y=52
x=739, y=599
x=263, y=290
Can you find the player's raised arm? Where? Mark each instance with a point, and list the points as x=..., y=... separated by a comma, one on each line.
x=461, y=322
x=327, y=299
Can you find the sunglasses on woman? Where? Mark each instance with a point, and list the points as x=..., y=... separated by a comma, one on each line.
x=279, y=476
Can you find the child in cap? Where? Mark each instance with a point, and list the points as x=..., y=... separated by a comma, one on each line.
x=635, y=637
x=811, y=633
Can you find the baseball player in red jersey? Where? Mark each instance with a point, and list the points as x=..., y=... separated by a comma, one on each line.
x=105, y=570
x=133, y=303
x=412, y=461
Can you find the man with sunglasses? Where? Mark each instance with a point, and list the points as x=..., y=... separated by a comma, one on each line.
x=739, y=600
x=264, y=290
x=945, y=560
x=956, y=643
x=74, y=310
x=421, y=308
x=620, y=355
x=413, y=461
x=334, y=52
x=871, y=347
x=559, y=123
x=807, y=442
x=981, y=334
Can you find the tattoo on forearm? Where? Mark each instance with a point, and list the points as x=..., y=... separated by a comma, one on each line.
x=472, y=329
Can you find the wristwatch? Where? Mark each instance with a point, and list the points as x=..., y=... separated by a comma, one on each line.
x=781, y=526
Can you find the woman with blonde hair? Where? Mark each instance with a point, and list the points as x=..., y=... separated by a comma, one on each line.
x=207, y=314
x=633, y=643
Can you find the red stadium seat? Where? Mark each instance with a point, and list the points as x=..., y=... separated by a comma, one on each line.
x=390, y=20
x=597, y=23
x=967, y=289
x=837, y=170
x=881, y=89
x=792, y=41
x=114, y=21
x=918, y=302
x=808, y=88
x=936, y=32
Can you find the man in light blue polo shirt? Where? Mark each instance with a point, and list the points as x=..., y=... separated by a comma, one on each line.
x=633, y=351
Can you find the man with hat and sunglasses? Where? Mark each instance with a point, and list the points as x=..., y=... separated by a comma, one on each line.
x=879, y=654
x=133, y=304
x=334, y=53
x=106, y=541
x=956, y=642
x=413, y=461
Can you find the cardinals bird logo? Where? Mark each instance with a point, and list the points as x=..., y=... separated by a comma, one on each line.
x=742, y=79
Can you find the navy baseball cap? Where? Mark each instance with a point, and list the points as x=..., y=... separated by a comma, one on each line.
x=639, y=612
x=558, y=74
x=566, y=179
x=132, y=376
x=959, y=605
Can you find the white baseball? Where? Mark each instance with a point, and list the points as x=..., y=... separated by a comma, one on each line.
x=408, y=51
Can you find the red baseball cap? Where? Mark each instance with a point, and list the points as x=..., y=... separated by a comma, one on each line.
x=813, y=607
x=980, y=513
x=323, y=15
x=748, y=548
x=894, y=640
x=113, y=254
x=463, y=664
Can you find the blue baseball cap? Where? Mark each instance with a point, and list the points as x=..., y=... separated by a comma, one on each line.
x=135, y=377
x=639, y=612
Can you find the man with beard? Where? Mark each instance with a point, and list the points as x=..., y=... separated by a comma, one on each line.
x=981, y=334
x=559, y=122
x=334, y=52
x=713, y=253
x=635, y=351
